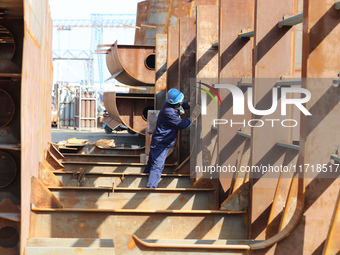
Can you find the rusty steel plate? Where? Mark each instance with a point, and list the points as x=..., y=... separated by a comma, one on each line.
x=142, y=18
x=7, y=48
x=8, y=169
x=132, y=64
x=7, y=108
x=129, y=109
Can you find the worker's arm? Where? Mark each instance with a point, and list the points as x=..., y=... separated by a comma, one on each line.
x=176, y=122
x=186, y=105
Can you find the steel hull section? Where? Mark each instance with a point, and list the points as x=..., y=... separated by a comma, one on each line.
x=128, y=109
x=166, y=225
x=127, y=64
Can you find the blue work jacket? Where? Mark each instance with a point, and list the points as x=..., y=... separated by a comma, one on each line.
x=168, y=124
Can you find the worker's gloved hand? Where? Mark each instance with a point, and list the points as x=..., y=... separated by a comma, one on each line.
x=196, y=112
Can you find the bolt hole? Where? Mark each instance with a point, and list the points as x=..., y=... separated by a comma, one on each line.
x=150, y=62
x=9, y=237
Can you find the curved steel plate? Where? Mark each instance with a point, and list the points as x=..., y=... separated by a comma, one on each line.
x=128, y=109
x=126, y=64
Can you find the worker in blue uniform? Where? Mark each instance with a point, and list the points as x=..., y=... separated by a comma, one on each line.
x=165, y=134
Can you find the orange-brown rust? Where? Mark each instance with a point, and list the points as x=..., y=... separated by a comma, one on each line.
x=47, y=177
x=42, y=197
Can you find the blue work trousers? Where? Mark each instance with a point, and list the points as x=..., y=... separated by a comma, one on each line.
x=157, y=157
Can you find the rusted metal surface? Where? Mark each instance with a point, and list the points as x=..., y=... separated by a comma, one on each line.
x=132, y=64
x=207, y=72
x=235, y=62
x=280, y=201
x=129, y=109
x=47, y=177
x=9, y=211
x=130, y=198
x=161, y=70
x=10, y=113
x=119, y=150
x=8, y=169
x=332, y=244
x=132, y=180
x=152, y=120
x=112, y=167
x=9, y=237
x=97, y=158
x=157, y=17
x=319, y=133
x=142, y=18
x=131, y=244
x=187, y=59
x=270, y=43
x=52, y=162
x=172, y=59
x=55, y=152
x=271, y=198
x=84, y=224
x=69, y=246
x=239, y=200
x=36, y=84
x=165, y=13
x=42, y=197
x=7, y=64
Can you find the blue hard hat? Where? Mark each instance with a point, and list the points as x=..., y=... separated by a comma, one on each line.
x=174, y=96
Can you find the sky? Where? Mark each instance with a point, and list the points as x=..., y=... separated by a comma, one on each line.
x=78, y=39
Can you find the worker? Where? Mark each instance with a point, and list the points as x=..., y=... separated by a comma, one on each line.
x=165, y=134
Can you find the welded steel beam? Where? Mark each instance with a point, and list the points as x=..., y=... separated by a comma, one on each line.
x=289, y=21
x=135, y=198
x=206, y=72
x=187, y=60
x=332, y=244
x=113, y=167
x=235, y=58
x=243, y=134
x=172, y=60
x=165, y=13
x=153, y=224
x=142, y=18
x=161, y=70
x=283, y=190
x=288, y=146
x=247, y=34
x=320, y=133
x=270, y=44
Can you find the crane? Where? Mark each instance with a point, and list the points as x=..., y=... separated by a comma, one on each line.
x=97, y=23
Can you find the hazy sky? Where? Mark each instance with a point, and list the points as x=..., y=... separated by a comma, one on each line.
x=81, y=9
x=80, y=38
